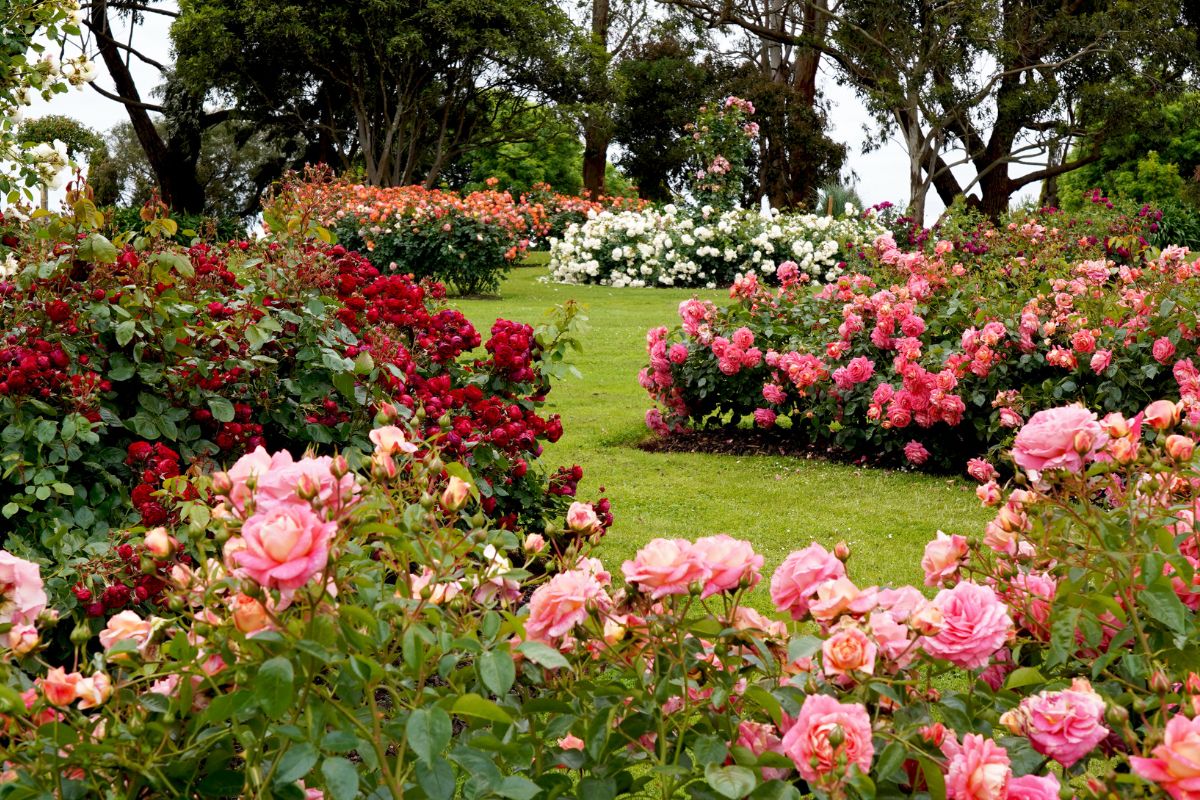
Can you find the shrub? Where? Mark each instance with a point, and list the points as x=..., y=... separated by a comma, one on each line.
x=366, y=633
x=128, y=366
x=933, y=357
x=680, y=247
x=120, y=220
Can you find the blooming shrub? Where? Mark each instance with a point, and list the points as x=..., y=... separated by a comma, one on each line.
x=467, y=242
x=345, y=633
x=710, y=248
x=721, y=140
x=128, y=367
x=932, y=357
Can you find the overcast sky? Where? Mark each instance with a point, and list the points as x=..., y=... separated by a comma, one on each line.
x=881, y=174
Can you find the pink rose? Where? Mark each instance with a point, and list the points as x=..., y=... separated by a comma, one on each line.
x=1034, y=787
x=570, y=742
x=390, y=440
x=22, y=596
x=807, y=743
x=1162, y=350
x=1100, y=360
x=746, y=618
x=796, y=580
x=534, y=543
x=743, y=338
x=731, y=563
x=976, y=625
x=666, y=566
x=978, y=770
x=982, y=470
x=759, y=738
x=126, y=626
x=1175, y=765
x=286, y=544
x=848, y=650
x=988, y=493
x=1058, y=438
x=943, y=556
x=93, y=690
x=764, y=417
x=558, y=605
x=1065, y=725
x=278, y=478
x=860, y=369
x=581, y=517
x=892, y=638
x=1009, y=418
x=678, y=353
x=58, y=687
x=840, y=596
x=916, y=453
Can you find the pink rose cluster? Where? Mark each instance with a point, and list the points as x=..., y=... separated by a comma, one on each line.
x=712, y=564
x=22, y=601
x=289, y=508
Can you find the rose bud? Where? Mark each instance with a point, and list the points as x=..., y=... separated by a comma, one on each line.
x=456, y=493
x=534, y=543
x=249, y=615
x=841, y=551
x=383, y=465
x=1180, y=447
x=581, y=517
x=1115, y=425
x=1161, y=414
x=23, y=639
x=159, y=543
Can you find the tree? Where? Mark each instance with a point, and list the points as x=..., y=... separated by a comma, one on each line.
x=554, y=155
x=660, y=85
x=989, y=85
x=173, y=150
x=76, y=138
x=407, y=87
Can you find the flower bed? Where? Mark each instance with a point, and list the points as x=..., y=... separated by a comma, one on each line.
x=709, y=248
x=345, y=634
x=465, y=241
x=934, y=356
x=126, y=369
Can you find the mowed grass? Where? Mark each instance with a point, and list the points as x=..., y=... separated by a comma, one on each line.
x=778, y=503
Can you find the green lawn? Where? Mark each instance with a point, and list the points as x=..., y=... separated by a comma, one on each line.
x=778, y=503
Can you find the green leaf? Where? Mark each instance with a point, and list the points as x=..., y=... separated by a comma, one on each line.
x=518, y=788
x=543, y=655
x=428, y=732
x=297, y=762
x=498, y=671
x=341, y=778
x=124, y=332
x=273, y=686
x=472, y=705
x=1024, y=676
x=99, y=249
x=733, y=782
x=438, y=779
x=222, y=409
x=1164, y=605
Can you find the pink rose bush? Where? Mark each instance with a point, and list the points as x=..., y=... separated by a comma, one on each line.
x=929, y=355
x=1032, y=662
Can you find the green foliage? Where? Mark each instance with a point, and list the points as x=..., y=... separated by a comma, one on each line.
x=553, y=155
x=79, y=139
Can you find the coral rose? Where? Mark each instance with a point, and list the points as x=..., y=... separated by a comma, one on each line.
x=1161, y=414
x=22, y=596
x=1175, y=764
x=796, y=580
x=286, y=544
x=1058, y=438
x=391, y=440
x=975, y=625
x=1065, y=725
x=807, y=742
x=848, y=650
x=730, y=563
x=126, y=626
x=563, y=602
x=979, y=769
x=667, y=566
x=943, y=556
x=58, y=687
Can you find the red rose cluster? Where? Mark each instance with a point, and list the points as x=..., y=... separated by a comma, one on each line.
x=153, y=464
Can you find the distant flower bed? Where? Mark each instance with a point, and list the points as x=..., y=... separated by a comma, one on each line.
x=465, y=241
x=933, y=356
x=705, y=248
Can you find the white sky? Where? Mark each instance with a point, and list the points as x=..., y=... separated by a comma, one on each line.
x=882, y=174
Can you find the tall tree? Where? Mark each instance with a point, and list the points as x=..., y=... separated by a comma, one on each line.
x=989, y=86
x=173, y=150
x=405, y=87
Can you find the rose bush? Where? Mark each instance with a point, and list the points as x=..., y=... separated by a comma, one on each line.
x=130, y=365
x=684, y=247
x=465, y=241
x=392, y=649
x=933, y=356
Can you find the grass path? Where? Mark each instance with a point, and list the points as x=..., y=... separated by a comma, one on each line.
x=778, y=503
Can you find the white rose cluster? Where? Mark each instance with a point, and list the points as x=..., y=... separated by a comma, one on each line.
x=679, y=247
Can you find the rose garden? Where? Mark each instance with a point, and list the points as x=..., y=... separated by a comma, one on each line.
x=433, y=492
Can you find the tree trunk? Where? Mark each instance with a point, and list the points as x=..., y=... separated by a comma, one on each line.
x=177, y=182
x=596, y=133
